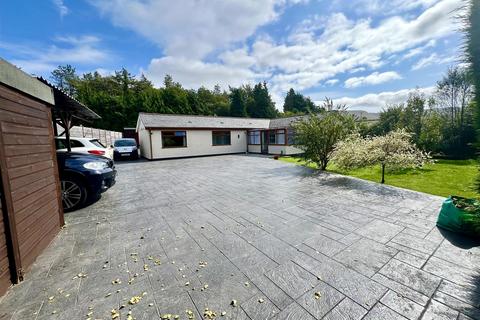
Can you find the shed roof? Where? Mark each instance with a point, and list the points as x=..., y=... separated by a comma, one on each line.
x=156, y=120
x=12, y=76
x=66, y=103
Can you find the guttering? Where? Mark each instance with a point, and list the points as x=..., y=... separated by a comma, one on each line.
x=151, y=148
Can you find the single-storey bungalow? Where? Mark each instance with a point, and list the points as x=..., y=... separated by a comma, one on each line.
x=163, y=136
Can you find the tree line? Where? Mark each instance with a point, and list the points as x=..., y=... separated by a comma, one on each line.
x=118, y=98
x=406, y=134
x=442, y=123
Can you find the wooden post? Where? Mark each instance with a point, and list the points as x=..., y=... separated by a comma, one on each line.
x=66, y=123
x=61, y=217
x=383, y=172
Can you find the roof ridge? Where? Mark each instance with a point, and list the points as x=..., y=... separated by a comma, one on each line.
x=201, y=116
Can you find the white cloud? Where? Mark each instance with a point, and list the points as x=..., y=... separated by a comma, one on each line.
x=193, y=73
x=419, y=50
x=372, y=79
x=238, y=58
x=382, y=7
x=331, y=82
x=61, y=7
x=73, y=50
x=433, y=59
x=192, y=28
x=342, y=45
x=318, y=49
x=374, y=102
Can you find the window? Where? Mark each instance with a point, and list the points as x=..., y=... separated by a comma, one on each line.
x=221, y=138
x=97, y=143
x=277, y=136
x=125, y=143
x=280, y=136
x=174, y=139
x=254, y=137
x=291, y=136
x=271, y=137
x=62, y=144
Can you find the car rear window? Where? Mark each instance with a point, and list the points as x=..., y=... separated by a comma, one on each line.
x=97, y=143
x=62, y=144
x=125, y=143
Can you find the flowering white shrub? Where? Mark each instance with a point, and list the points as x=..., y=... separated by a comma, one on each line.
x=393, y=151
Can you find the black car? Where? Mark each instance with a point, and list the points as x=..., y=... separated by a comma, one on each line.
x=83, y=177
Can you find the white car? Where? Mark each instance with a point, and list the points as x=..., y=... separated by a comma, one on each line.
x=84, y=145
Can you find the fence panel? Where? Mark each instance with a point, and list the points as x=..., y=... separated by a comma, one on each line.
x=106, y=137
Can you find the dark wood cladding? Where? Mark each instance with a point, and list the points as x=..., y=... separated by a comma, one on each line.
x=5, y=273
x=30, y=180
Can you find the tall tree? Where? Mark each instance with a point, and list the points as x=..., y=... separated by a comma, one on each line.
x=237, y=103
x=152, y=101
x=472, y=46
x=454, y=93
x=213, y=102
x=262, y=105
x=472, y=53
x=390, y=119
x=413, y=114
x=289, y=104
x=168, y=82
x=297, y=103
x=64, y=77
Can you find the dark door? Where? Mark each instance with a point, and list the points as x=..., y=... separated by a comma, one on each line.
x=264, y=141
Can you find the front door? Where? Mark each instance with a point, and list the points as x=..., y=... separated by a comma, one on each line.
x=264, y=141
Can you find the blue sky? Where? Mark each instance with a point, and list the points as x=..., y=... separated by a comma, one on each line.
x=364, y=53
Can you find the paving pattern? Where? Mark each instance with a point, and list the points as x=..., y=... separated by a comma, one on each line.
x=244, y=237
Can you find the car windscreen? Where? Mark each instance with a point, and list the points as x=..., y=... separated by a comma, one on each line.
x=97, y=143
x=125, y=143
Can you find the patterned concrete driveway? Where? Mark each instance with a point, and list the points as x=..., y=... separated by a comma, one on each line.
x=237, y=237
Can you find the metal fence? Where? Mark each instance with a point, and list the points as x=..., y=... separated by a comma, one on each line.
x=106, y=137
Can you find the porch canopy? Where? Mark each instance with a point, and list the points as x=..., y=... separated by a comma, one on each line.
x=67, y=112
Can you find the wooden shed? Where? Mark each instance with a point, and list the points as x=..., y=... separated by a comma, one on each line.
x=31, y=211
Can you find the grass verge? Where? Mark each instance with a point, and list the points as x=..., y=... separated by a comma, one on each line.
x=442, y=178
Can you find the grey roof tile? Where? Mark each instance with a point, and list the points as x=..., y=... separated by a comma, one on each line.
x=155, y=120
x=158, y=120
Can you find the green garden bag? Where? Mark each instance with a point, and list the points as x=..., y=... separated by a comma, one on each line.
x=460, y=215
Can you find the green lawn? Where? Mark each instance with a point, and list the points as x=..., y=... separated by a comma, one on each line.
x=443, y=178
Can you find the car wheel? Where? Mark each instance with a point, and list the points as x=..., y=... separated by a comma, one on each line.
x=74, y=193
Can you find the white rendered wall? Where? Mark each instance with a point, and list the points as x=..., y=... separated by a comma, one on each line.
x=144, y=140
x=199, y=143
x=254, y=148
